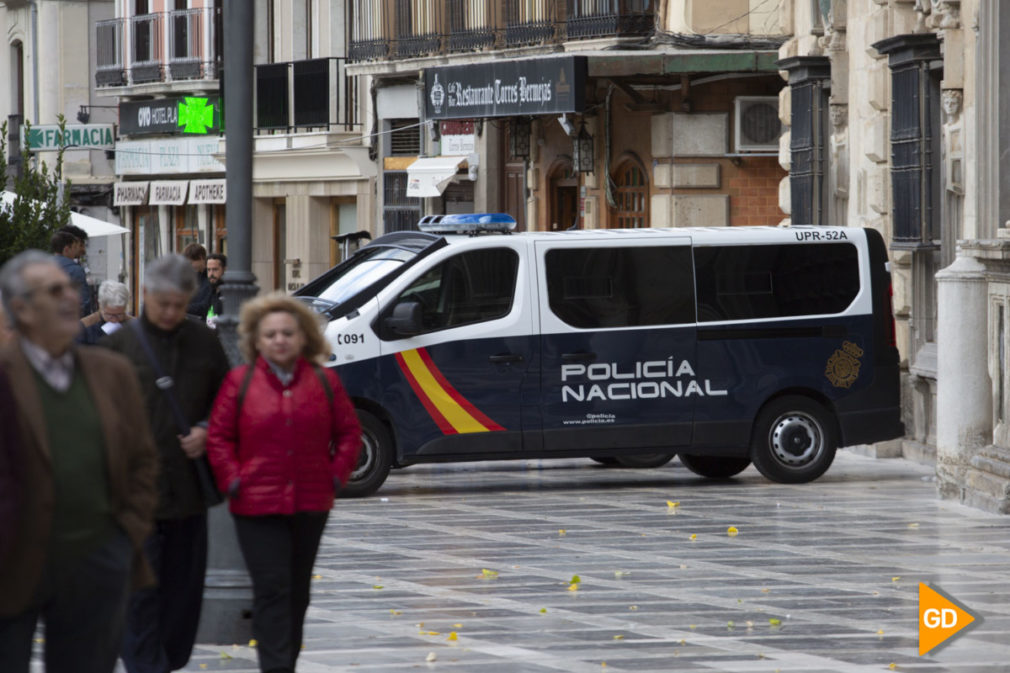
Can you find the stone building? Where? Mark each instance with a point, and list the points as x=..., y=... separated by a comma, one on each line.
x=897, y=113
x=576, y=113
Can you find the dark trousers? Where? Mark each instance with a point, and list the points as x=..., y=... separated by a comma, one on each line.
x=279, y=552
x=161, y=621
x=82, y=605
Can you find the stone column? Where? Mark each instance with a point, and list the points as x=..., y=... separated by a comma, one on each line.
x=964, y=393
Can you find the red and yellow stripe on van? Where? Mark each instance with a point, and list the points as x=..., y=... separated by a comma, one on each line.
x=452, y=412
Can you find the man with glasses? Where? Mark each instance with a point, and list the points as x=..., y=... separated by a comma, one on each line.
x=87, y=467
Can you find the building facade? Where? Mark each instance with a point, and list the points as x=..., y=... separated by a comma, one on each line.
x=897, y=114
x=47, y=66
x=574, y=113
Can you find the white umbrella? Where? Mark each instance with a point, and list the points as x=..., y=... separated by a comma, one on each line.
x=92, y=226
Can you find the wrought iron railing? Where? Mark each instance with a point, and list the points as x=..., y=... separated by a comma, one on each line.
x=147, y=56
x=607, y=18
x=471, y=24
x=190, y=42
x=417, y=28
x=306, y=95
x=529, y=22
x=109, y=46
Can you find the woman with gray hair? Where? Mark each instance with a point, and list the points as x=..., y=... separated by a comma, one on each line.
x=113, y=300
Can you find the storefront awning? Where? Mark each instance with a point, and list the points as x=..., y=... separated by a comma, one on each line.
x=168, y=192
x=429, y=176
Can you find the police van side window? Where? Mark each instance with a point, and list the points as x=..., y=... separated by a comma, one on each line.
x=471, y=287
x=621, y=287
x=775, y=281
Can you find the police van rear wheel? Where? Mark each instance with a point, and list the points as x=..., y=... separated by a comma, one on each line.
x=794, y=440
x=715, y=467
x=374, y=460
x=645, y=460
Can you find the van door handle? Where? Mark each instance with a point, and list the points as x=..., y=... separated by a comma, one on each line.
x=505, y=358
x=578, y=357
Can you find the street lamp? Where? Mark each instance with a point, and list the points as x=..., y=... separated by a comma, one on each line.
x=583, y=158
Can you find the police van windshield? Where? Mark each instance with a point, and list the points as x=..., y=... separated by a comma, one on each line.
x=365, y=268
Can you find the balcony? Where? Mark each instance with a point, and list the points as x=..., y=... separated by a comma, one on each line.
x=400, y=29
x=165, y=47
x=314, y=94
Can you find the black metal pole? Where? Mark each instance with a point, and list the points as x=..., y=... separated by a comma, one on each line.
x=227, y=599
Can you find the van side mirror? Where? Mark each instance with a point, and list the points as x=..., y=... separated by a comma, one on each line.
x=405, y=320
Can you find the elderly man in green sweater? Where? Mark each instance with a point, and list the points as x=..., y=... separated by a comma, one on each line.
x=87, y=465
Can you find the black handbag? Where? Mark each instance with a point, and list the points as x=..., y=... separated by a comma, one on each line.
x=204, y=475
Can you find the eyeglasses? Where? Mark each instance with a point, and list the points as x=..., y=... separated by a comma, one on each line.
x=56, y=290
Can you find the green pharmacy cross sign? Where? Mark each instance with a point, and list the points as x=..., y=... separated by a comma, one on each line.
x=196, y=115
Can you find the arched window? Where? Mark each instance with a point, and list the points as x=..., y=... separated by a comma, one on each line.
x=632, y=196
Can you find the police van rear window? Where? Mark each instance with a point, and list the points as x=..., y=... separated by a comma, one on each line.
x=621, y=287
x=774, y=281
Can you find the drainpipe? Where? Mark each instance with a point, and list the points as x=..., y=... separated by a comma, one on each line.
x=35, y=59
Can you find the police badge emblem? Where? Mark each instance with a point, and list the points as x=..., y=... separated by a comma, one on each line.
x=842, y=369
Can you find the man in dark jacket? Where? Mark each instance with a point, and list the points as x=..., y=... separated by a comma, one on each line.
x=200, y=301
x=67, y=247
x=86, y=464
x=162, y=622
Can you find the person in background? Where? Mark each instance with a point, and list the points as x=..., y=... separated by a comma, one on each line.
x=162, y=621
x=270, y=437
x=113, y=298
x=67, y=248
x=217, y=264
x=86, y=465
x=200, y=302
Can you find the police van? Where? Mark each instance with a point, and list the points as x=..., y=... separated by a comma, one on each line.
x=725, y=346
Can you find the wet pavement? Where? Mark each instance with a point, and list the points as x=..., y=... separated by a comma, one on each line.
x=470, y=567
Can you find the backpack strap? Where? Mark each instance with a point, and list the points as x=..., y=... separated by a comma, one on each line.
x=249, y=371
x=321, y=375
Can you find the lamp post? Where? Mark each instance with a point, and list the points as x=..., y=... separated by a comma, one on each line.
x=583, y=155
x=227, y=597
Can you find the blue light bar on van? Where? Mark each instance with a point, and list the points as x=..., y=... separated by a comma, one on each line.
x=467, y=223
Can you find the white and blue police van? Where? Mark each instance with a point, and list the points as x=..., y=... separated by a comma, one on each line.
x=725, y=346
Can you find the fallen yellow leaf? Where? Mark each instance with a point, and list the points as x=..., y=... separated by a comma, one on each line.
x=765, y=590
x=730, y=624
x=621, y=573
x=880, y=632
x=377, y=586
x=774, y=622
x=732, y=531
x=672, y=505
x=395, y=613
x=253, y=643
x=430, y=633
x=632, y=607
x=489, y=574
x=457, y=626
x=913, y=525
x=317, y=577
x=573, y=587
x=895, y=579
x=683, y=642
x=694, y=536
x=453, y=637
x=575, y=579
x=561, y=532
x=693, y=627
x=225, y=655
x=543, y=611
x=618, y=637
x=892, y=665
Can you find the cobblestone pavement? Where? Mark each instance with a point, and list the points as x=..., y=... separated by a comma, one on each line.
x=820, y=577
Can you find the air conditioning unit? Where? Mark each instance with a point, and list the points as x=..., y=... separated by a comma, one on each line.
x=757, y=125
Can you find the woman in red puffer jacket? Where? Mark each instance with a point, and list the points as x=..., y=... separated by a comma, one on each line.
x=283, y=438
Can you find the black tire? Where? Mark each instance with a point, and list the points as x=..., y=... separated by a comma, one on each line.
x=715, y=467
x=645, y=460
x=795, y=440
x=609, y=461
x=374, y=460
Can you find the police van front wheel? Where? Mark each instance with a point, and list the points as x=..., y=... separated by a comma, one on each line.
x=374, y=460
x=794, y=440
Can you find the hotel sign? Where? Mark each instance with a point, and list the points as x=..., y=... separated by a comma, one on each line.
x=197, y=115
x=506, y=88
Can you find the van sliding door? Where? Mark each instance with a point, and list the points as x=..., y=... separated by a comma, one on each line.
x=617, y=343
